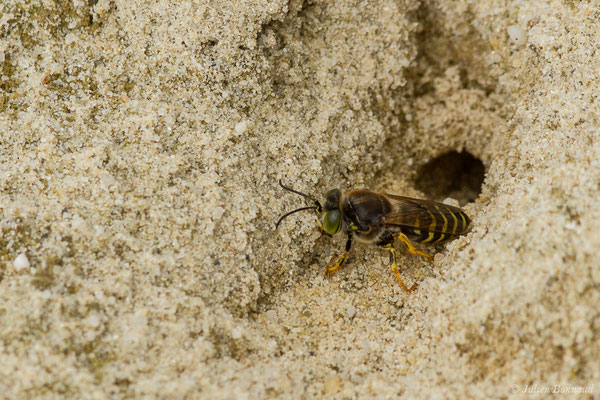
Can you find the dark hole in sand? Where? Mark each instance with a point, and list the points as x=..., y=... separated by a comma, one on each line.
x=456, y=175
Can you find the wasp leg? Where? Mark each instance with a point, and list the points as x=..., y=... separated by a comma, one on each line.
x=392, y=250
x=340, y=261
x=409, y=246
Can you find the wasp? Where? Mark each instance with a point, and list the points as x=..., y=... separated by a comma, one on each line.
x=384, y=219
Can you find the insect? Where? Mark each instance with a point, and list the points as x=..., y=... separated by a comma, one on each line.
x=383, y=219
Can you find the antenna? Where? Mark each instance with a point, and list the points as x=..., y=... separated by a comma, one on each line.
x=317, y=205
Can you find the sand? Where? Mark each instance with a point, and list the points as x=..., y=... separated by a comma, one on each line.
x=142, y=143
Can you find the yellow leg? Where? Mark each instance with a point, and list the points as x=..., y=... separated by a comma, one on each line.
x=395, y=270
x=409, y=246
x=331, y=267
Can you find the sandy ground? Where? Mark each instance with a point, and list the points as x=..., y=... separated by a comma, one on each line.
x=141, y=145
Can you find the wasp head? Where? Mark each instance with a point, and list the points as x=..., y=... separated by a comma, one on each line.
x=331, y=217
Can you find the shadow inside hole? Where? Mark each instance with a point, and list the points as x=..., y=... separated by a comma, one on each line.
x=456, y=175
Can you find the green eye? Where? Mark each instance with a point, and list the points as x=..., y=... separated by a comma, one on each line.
x=332, y=222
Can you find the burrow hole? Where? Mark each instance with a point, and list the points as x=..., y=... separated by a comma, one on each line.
x=453, y=174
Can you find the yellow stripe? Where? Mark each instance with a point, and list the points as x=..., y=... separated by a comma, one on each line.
x=445, y=219
x=442, y=236
x=464, y=221
x=432, y=226
x=455, y=223
x=417, y=224
x=431, y=234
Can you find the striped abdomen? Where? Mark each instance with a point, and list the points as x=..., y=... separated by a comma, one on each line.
x=426, y=221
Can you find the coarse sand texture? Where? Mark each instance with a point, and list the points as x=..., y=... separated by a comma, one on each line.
x=141, y=145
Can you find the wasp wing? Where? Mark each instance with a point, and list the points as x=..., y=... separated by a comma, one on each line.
x=425, y=221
